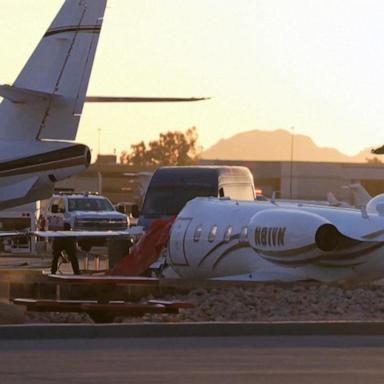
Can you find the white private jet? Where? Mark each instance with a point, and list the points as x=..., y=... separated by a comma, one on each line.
x=215, y=238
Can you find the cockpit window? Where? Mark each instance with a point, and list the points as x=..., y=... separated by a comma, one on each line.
x=212, y=234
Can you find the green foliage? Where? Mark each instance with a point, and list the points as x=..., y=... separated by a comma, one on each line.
x=172, y=148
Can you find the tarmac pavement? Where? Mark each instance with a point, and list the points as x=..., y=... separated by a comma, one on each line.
x=95, y=260
x=285, y=352
x=244, y=359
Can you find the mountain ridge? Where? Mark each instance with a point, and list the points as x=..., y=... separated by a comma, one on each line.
x=278, y=145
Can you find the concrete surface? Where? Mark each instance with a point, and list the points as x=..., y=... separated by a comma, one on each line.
x=235, y=360
x=172, y=330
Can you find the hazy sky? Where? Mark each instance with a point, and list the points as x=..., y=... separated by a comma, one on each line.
x=317, y=65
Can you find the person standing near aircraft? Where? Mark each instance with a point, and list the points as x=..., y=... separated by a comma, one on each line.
x=64, y=248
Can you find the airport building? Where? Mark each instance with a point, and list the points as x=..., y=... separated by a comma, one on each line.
x=296, y=180
x=311, y=180
x=118, y=182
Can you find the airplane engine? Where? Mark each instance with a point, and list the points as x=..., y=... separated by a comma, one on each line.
x=281, y=231
x=73, y=159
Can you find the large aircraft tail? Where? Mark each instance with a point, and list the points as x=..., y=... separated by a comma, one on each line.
x=46, y=100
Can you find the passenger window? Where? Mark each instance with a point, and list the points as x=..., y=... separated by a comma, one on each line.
x=244, y=235
x=227, y=234
x=212, y=234
x=197, y=234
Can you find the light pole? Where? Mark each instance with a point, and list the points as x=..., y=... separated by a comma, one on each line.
x=99, y=176
x=98, y=141
x=291, y=163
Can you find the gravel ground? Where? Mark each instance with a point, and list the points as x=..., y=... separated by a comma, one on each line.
x=57, y=318
x=265, y=302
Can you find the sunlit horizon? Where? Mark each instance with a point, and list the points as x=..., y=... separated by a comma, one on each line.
x=315, y=65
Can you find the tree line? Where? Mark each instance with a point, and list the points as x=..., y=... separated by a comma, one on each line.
x=172, y=148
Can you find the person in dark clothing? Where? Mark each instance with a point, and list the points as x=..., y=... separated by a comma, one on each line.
x=68, y=247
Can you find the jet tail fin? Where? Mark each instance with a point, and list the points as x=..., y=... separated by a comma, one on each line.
x=332, y=200
x=360, y=195
x=60, y=66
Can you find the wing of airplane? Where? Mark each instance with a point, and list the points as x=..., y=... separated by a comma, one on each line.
x=5, y=234
x=130, y=232
x=134, y=232
x=133, y=99
x=18, y=189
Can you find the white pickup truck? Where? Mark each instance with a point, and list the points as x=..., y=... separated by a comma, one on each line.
x=84, y=212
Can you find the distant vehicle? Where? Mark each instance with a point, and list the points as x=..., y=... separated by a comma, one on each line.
x=84, y=212
x=171, y=188
x=22, y=218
